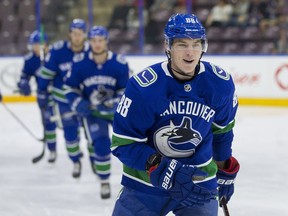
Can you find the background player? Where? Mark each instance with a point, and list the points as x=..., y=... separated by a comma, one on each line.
x=57, y=63
x=172, y=130
x=93, y=88
x=32, y=66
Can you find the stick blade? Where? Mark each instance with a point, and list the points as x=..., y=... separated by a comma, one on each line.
x=39, y=157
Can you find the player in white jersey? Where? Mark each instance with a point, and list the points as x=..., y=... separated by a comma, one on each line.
x=172, y=130
x=93, y=87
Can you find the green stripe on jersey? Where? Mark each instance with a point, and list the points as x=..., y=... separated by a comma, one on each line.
x=216, y=129
x=47, y=74
x=117, y=141
x=142, y=176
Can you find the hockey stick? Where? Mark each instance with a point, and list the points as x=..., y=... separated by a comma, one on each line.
x=21, y=122
x=42, y=56
x=39, y=157
x=223, y=203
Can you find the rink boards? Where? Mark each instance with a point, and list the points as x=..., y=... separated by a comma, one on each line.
x=259, y=80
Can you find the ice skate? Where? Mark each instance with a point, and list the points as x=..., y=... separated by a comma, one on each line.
x=105, y=190
x=52, y=157
x=76, y=170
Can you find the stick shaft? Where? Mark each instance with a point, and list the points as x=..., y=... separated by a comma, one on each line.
x=224, y=206
x=20, y=122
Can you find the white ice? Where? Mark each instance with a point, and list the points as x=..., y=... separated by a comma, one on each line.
x=42, y=189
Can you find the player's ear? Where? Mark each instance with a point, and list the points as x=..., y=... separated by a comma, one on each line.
x=167, y=49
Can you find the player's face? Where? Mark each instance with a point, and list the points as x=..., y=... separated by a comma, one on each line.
x=98, y=44
x=37, y=47
x=185, y=55
x=77, y=37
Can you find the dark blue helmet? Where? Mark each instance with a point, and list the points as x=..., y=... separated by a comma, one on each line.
x=78, y=24
x=185, y=26
x=37, y=37
x=98, y=31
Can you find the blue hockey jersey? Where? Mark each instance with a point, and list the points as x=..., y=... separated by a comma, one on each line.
x=97, y=83
x=190, y=121
x=31, y=67
x=57, y=62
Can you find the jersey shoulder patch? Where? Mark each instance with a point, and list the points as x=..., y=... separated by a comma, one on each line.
x=121, y=59
x=47, y=57
x=220, y=72
x=146, y=77
x=28, y=56
x=58, y=45
x=78, y=57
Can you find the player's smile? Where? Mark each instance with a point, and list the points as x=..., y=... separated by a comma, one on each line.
x=188, y=61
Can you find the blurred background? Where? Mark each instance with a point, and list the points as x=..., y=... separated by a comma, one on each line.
x=136, y=26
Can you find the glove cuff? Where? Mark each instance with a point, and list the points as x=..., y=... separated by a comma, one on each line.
x=153, y=162
x=232, y=166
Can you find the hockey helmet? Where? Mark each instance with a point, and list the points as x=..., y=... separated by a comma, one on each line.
x=185, y=26
x=37, y=37
x=98, y=31
x=78, y=24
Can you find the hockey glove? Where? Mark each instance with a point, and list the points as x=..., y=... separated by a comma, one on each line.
x=226, y=178
x=177, y=180
x=82, y=107
x=108, y=106
x=24, y=87
x=42, y=99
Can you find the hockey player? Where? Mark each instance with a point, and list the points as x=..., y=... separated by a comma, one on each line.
x=57, y=63
x=93, y=88
x=31, y=68
x=0, y=97
x=172, y=130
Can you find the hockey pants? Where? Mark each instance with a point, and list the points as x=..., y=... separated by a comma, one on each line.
x=132, y=202
x=70, y=126
x=49, y=128
x=97, y=132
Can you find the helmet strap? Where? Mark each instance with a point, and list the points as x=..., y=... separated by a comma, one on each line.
x=168, y=54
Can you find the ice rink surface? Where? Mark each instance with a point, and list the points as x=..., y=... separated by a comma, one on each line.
x=42, y=189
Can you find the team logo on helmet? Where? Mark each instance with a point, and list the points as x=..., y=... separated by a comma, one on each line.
x=78, y=24
x=177, y=140
x=37, y=37
x=98, y=31
x=185, y=26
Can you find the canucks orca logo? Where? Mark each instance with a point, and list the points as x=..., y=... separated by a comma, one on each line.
x=101, y=94
x=177, y=141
